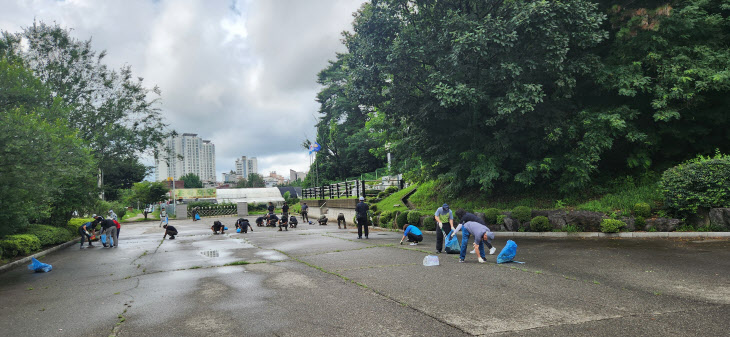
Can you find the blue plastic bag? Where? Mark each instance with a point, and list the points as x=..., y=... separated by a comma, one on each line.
x=508, y=253
x=452, y=244
x=238, y=230
x=39, y=267
x=225, y=228
x=103, y=240
x=197, y=216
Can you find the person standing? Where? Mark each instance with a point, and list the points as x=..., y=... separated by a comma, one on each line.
x=482, y=235
x=163, y=217
x=169, y=230
x=413, y=234
x=305, y=211
x=445, y=219
x=84, y=232
x=285, y=210
x=271, y=208
x=361, y=213
x=113, y=215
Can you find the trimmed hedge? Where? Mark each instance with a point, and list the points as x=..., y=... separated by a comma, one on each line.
x=612, y=226
x=642, y=209
x=700, y=182
x=49, y=235
x=540, y=224
x=429, y=223
x=20, y=244
x=522, y=213
x=491, y=215
x=74, y=224
x=386, y=217
x=402, y=219
x=414, y=218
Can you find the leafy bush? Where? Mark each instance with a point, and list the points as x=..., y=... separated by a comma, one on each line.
x=611, y=225
x=376, y=221
x=73, y=225
x=374, y=208
x=642, y=209
x=391, y=189
x=102, y=208
x=639, y=223
x=49, y=235
x=429, y=223
x=402, y=219
x=571, y=228
x=500, y=219
x=386, y=216
x=414, y=218
x=20, y=244
x=540, y=224
x=700, y=182
x=522, y=213
x=491, y=215
x=685, y=228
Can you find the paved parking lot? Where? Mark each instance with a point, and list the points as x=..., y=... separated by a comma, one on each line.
x=318, y=280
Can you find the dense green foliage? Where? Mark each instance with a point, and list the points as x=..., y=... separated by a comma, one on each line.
x=642, y=209
x=49, y=235
x=146, y=193
x=414, y=218
x=612, y=225
x=522, y=213
x=20, y=244
x=491, y=214
x=700, y=182
x=612, y=88
x=429, y=223
x=192, y=180
x=540, y=224
x=401, y=219
x=254, y=180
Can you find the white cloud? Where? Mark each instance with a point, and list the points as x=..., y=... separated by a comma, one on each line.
x=240, y=73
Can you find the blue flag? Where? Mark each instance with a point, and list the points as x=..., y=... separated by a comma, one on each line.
x=314, y=147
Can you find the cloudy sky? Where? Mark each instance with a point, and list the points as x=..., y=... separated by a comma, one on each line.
x=241, y=73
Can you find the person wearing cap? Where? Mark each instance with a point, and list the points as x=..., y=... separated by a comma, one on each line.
x=361, y=213
x=113, y=215
x=445, y=219
x=305, y=210
x=482, y=235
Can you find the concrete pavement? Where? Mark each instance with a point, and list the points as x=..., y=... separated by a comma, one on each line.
x=318, y=280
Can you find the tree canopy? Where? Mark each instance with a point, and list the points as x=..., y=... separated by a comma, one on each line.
x=512, y=94
x=192, y=181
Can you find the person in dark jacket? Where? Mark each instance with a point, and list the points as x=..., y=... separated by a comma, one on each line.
x=285, y=210
x=218, y=227
x=293, y=222
x=260, y=221
x=341, y=219
x=243, y=224
x=272, y=220
x=305, y=211
x=465, y=217
x=169, y=230
x=270, y=208
x=284, y=223
x=86, y=231
x=108, y=228
x=361, y=213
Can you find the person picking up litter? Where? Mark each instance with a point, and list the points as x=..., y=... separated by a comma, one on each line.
x=218, y=227
x=482, y=235
x=243, y=225
x=413, y=234
x=445, y=219
x=86, y=231
x=169, y=230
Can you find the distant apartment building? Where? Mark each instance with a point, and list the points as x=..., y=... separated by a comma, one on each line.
x=246, y=166
x=294, y=175
x=185, y=154
x=230, y=178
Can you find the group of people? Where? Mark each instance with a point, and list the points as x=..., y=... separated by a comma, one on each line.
x=110, y=228
x=272, y=220
x=471, y=225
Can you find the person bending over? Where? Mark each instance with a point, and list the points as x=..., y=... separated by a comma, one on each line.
x=86, y=231
x=273, y=220
x=218, y=227
x=284, y=223
x=243, y=224
x=341, y=219
x=260, y=221
x=293, y=222
x=108, y=228
x=169, y=230
x=482, y=235
x=413, y=234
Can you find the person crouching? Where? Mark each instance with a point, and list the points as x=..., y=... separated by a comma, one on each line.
x=284, y=223
x=218, y=227
x=243, y=225
x=169, y=230
x=413, y=234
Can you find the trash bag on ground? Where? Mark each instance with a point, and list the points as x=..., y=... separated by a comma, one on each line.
x=508, y=253
x=197, y=216
x=431, y=260
x=39, y=267
x=238, y=230
x=225, y=228
x=103, y=239
x=452, y=245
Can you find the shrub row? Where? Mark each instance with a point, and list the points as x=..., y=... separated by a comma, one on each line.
x=38, y=236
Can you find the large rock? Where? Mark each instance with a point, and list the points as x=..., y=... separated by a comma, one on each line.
x=483, y=217
x=586, y=220
x=720, y=217
x=701, y=218
x=630, y=223
x=557, y=218
x=663, y=224
x=511, y=224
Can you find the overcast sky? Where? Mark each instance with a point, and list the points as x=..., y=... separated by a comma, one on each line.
x=241, y=73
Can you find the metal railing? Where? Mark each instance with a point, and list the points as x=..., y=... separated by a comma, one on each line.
x=350, y=188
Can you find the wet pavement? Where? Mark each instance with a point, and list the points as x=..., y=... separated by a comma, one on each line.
x=320, y=280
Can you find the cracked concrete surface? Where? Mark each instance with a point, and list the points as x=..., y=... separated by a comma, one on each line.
x=318, y=280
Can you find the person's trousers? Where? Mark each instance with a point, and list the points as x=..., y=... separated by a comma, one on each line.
x=111, y=235
x=415, y=238
x=84, y=236
x=464, y=238
x=362, y=222
x=305, y=218
x=118, y=230
x=445, y=228
x=171, y=233
x=339, y=221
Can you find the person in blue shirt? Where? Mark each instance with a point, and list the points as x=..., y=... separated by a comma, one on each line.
x=413, y=234
x=86, y=231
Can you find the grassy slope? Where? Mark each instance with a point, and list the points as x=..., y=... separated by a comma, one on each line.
x=388, y=204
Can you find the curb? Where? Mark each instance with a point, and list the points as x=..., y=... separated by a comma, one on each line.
x=605, y=235
x=11, y=265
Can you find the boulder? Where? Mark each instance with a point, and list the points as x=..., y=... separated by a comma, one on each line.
x=630, y=223
x=586, y=220
x=701, y=218
x=720, y=217
x=511, y=224
x=663, y=224
x=482, y=216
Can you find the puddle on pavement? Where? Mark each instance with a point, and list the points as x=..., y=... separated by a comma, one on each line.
x=210, y=253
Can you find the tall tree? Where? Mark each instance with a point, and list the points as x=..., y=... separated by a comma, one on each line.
x=111, y=109
x=122, y=174
x=192, y=181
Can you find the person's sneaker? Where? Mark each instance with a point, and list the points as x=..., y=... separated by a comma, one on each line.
x=492, y=250
x=460, y=260
x=359, y=237
x=82, y=247
x=481, y=260
x=366, y=238
x=172, y=237
x=414, y=244
x=438, y=252
x=473, y=251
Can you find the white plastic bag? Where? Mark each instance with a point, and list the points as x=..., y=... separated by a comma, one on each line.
x=431, y=260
